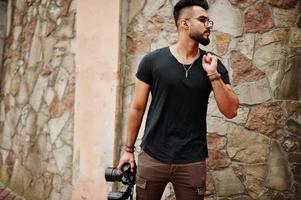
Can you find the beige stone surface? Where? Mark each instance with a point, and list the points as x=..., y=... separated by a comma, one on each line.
x=246, y=45
x=279, y=176
x=267, y=54
x=227, y=183
x=246, y=146
x=253, y=177
x=276, y=35
x=135, y=7
x=248, y=92
x=284, y=18
x=233, y=25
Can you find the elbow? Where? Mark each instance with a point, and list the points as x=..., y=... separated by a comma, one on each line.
x=231, y=115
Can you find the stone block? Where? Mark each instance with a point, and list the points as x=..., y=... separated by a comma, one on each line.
x=242, y=116
x=66, y=28
x=291, y=143
x=286, y=4
x=227, y=183
x=23, y=94
x=21, y=178
x=268, y=54
x=276, y=35
x=284, y=18
x=258, y=18
x=253, y=177
x=217, y=159
x=246, y=45
x=39, y=89
x=294, y=126
x=217, y=125
x=252, y=93
x=247, y=146
x=3, y=9
x=215, y=142
x=33, y=163
x=234, y=23
x=279, y=176
x=137, y=43
x=135, y=7
x=267, y=118
x=295, y=37
x=209, y=184
x=242, y=3
x=152, y=6
x=63, y=157
x=289, y=80
x=222, y=42
x=47, y=47
x=155, y=26
x=243, y=69
x=56, y=125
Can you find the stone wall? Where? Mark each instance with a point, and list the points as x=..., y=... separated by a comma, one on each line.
x=3, y=7
x=37, y=98
x=256, y=155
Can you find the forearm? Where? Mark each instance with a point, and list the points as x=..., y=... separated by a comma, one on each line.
x=226, y=99
x=134, y=123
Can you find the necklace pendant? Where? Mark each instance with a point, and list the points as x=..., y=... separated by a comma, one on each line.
x=186, y=74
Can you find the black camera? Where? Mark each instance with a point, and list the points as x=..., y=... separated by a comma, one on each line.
x=126, y=177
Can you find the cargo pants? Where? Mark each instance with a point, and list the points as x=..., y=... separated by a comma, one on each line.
x=188, y=180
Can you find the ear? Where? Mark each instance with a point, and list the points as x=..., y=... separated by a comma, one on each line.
x=184, y=24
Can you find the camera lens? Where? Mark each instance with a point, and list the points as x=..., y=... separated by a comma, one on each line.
x=112, y=174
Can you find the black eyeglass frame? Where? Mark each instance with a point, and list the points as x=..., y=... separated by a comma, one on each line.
x=205, y=20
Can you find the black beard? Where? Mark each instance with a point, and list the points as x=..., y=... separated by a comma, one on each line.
x=201, y=40
x=204, y=42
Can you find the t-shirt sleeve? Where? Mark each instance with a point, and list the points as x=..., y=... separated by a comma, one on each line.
x=144, y=72
x=223, y=71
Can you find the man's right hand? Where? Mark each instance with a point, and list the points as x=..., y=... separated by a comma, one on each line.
x=127, y=157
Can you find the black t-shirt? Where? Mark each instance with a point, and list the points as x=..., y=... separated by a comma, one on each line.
x=175, y=130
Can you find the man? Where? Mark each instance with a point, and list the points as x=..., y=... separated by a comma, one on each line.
x=180, y=79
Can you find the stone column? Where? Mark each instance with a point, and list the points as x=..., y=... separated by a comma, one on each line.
x=97, y=83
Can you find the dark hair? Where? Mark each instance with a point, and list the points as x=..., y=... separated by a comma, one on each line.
x=186, y=3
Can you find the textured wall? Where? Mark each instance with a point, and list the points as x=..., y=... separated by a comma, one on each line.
x=37, y=97
x=3, y=7
x=256, y=155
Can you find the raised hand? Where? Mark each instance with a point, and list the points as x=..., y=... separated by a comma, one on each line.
x=209, y=63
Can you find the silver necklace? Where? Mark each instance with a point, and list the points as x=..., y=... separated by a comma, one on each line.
x=187, y=70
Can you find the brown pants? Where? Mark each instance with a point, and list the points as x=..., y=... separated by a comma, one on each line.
x=188, y=180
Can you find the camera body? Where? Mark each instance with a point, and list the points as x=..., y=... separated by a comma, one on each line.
x=126, y=177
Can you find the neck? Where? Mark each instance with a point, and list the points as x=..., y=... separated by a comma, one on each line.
x=187, y=48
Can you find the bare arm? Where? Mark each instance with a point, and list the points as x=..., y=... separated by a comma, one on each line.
x=135, y=117
x=227, y=101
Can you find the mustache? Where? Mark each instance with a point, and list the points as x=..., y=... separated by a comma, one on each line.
x=207, y=31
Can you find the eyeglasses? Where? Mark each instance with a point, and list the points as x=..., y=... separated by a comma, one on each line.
x=205, y=20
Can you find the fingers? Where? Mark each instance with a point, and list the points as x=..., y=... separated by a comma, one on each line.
x=209, y=58
x=204, y=58
x=127, y=158
x=132, y=163
x=120, y=165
